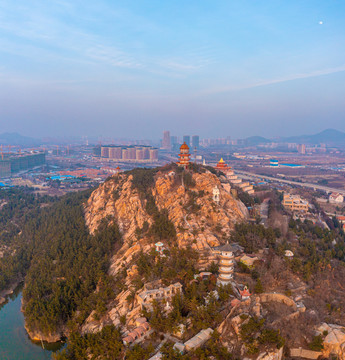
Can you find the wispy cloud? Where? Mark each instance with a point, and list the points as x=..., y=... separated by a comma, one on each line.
x=113, y=56
x=292, y=77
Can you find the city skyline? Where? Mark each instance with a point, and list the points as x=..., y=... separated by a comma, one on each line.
x=241, y=68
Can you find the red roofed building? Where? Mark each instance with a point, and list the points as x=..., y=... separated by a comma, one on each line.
x=222, y=166
x=227, y=170
x=245, y=294
x=137, y=333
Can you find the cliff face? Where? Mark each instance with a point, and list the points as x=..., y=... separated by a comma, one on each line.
x=37, y=335
x=199, y=221
x=116, y=198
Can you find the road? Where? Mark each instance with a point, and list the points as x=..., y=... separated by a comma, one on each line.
x=251, y=176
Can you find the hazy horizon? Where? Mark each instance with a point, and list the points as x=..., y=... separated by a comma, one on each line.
x=238, y=69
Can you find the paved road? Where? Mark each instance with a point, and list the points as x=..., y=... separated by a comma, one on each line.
x=248, y=175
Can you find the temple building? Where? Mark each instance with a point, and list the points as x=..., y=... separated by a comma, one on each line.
x=222, y=166
x=233, y=179
x=226, y=264
x=184, y=156
x=245, y=294
x=226, y=255
x=146, y=297
x=227, y=170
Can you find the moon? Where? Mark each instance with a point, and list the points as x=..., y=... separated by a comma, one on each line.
x=320, y=22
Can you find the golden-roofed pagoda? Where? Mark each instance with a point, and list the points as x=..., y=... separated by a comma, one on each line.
x=222, y=166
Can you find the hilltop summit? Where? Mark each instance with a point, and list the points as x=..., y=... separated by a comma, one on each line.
x=183, y=199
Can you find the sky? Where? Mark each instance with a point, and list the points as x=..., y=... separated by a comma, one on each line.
x=134, y=68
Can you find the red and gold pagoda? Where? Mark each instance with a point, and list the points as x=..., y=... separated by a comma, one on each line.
x=222, y=166
x=184, y=155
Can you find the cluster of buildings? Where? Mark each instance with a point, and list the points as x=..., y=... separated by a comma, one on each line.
x=226, y=256
x=172, y=142
x=11, y=163
x=295, y=203
x=142, y=327
x=233, y=179
x=129, y=153
x=184, y=160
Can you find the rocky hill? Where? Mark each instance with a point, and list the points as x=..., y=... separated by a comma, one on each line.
x=168, y=205
x=186, y=199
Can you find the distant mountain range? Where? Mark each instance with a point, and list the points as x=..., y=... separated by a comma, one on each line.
x=329, y=137
x=257, y=140
x=19, y=140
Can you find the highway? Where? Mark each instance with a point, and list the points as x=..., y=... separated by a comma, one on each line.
x=251, y=176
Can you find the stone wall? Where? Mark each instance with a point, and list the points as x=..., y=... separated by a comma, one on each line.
x=272, y=297
x=306, y=354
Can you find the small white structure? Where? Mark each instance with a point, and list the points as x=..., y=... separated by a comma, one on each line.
x=179, y=347
x=216, y=193
x=159, y=247
x=289, y=254
x=336, y=198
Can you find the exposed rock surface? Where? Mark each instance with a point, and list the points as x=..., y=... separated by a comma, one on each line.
x=276, y=354
x=128, y=207
x=334, y=342
x=37, y=335
x=199, y=221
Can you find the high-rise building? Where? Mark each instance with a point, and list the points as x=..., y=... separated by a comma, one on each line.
x=130, y=153
x=11, y=163
x=166, y=144
x=153, y=154
x=115, y=152
x=195, y=142
x=174, y=143
x=186, y=139
x=105, y=151
x=140, y=155
x=301, y=148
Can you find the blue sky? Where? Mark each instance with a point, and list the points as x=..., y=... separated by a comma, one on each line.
x=134, y=68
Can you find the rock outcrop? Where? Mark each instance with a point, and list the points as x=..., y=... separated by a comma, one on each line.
x=334, y=341
x=37, y=335
x=199, y=221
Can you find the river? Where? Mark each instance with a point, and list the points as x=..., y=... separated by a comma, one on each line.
x=15, y=343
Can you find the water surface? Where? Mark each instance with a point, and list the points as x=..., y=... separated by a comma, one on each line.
x=15, y=343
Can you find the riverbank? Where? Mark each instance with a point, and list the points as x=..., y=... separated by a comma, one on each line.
x=14, y=340
x=9, y=291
